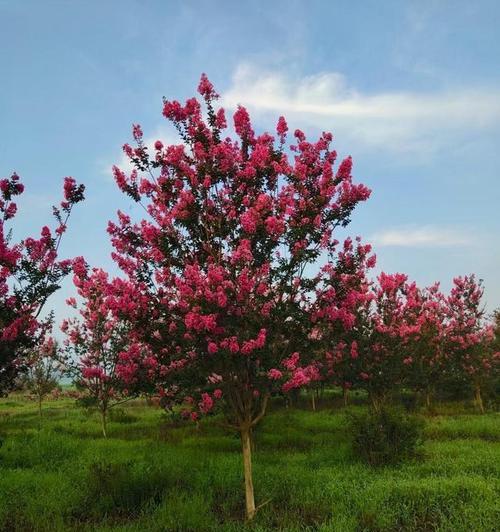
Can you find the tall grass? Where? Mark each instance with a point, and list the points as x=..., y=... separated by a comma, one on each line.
x=152, y=475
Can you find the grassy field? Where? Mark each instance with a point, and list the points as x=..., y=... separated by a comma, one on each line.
x=150, y=475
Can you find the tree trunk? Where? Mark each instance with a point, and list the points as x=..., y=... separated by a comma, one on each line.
x=246, y=447
x=104, y=423
x=345, y=396
x=313, y=400
x=479, y=398
x=321, y=391
x=428, y=399
x=40, y=407
x=377, y=403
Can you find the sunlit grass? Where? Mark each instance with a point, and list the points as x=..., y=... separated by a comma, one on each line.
x=153, y=475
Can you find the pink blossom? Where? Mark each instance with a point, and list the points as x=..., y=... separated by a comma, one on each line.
x=137, y=132
x=274, y=374
x=212, y=348
x=217, y=393
x=242, y=124
x=206, y=404
x=206, y=89
x=282, y=128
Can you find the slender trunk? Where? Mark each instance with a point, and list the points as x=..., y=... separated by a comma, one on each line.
x=428, y=399
x=104, y=422
x=39, y=403
x=246, y=447
x=313, y=400
x=345, y=396
x=479, y=398
x=321, y=391
x=377, y=402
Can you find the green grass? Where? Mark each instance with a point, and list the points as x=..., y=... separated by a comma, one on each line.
x=152, y=475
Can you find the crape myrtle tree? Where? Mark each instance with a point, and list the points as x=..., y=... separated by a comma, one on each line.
x=387, y=333
x=470, y=339
x=427, y=362
x=29, y=273
x=220, y=272
x=495, y=319
x=495, y=350
x=44, y=367
x=94, y=341
x=339, y=314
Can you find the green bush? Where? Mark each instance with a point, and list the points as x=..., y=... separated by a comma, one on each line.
x=86, y=402
x=409, y=400
x=119, y=415
x=120, y=489
x=385, y=437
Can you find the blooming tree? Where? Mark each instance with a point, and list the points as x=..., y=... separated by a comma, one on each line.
x=221, y=271
x=419, y=338
x=340, y=313
x=470, y=339
x=495, y=321
x=386, y=334
x=44, y=367
x=29, y=273
x=94, y=341
x=426, y=360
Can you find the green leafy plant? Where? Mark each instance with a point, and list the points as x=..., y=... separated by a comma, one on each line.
x=385, y=437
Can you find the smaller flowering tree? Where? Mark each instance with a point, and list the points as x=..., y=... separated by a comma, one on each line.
x=44, y=368
x=426, y=360
x=95, y=341
x=470, y=339
x=495, y=349
x=339, y=313
x=386, y=335
x=30, y=273
x=495, y=320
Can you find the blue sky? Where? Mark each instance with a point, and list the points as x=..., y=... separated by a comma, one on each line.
x=410, y=89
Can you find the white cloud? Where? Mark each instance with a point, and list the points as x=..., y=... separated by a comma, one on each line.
x=427, y=236
x=394, y=120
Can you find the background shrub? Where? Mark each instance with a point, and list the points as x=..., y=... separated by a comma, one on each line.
x=385, y=437
x=119, y=415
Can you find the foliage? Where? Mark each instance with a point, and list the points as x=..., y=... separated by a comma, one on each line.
x=219, y=266
x=95, y=342
x=44, y=369
x=221, y=278
x=403, y=336
x=340, y=315
x=385, y=437
x=30, y=273
x=470, y=341
x=235, y=294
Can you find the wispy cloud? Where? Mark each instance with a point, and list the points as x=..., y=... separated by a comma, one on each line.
x=427, y=236
x=394, y=120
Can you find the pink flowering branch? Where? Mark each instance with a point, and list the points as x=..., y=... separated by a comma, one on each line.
x=29, y=273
